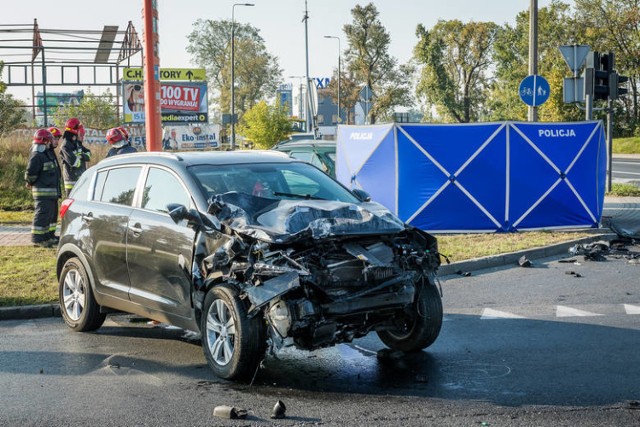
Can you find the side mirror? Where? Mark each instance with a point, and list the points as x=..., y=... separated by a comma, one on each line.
x=179, y=212
x=362, y=195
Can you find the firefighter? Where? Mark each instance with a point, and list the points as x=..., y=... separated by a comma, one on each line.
x=43, y=178
x=74, y=155
x=119, y=142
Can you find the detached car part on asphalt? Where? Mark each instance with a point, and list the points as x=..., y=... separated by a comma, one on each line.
x=254, y=250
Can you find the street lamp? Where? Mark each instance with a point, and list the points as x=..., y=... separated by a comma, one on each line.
x=339, y=61
x=233, y=76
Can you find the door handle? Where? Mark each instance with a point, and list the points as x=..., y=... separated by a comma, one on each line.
x=136, y=229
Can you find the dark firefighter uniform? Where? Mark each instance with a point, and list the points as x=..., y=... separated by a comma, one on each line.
x=43, y=176
x=74, y=161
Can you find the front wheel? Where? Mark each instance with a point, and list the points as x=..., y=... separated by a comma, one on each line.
x=418, y=330
x=233, y=343
x=77, y=304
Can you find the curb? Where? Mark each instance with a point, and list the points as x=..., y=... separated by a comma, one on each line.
x=30, y=311
x=511, y=258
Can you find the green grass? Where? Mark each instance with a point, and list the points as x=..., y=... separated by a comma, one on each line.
x=459, y=247
x=16, y=217
x=626, y=145
x=27, y=276
x=624, y=190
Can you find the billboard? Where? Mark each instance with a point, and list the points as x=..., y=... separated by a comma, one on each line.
x=185, y=137
x=180, y=102
x=57, y=99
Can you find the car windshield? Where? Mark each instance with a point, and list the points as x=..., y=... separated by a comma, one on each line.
x=289, y=181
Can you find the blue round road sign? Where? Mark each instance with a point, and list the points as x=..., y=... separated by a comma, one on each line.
x=534, y=90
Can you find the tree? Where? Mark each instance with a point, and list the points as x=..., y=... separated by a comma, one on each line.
x=455, y=57
x=94, y=111
x=265, y=125
x=511, y=55
x=368, y=59
x=614, y=25
x=12, y=111
x=257, y=72
x=349, y=94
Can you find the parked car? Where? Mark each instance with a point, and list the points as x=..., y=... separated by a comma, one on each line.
x=319, y=153
x=252, y=249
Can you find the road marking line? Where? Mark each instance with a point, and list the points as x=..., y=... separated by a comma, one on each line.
x=563, y=311
x=489, y=313
x=632, y=309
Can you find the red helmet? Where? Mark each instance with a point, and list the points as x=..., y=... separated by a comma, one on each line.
x=81, y=131
x=72, y=125
x=115, y=135
x=124, y=131
x=42, y=136
x=57, y=133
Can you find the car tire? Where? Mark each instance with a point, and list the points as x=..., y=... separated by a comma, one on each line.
x=77, y=303
x=419, y=331
x=233, y=343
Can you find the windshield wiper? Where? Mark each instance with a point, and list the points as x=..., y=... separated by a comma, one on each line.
x=298, y=196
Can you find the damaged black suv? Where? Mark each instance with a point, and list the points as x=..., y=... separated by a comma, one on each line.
x=251, y=249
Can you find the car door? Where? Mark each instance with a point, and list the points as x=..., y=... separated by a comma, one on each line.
x=105, y=228
x=159, y=251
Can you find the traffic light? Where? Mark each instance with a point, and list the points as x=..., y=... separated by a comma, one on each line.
x=597, y=75
x=622, y=80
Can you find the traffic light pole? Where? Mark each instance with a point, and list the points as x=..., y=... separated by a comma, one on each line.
x=609, y=143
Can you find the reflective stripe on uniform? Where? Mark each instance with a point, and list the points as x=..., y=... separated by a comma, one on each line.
x=39, y=230
x=47, y=166
x=53, y=227
x=44, y=192
x=68, y=185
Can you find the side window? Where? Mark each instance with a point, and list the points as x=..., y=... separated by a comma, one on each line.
x=119, y=185
x=309, y=157
x=81, y=189
x=161, y=189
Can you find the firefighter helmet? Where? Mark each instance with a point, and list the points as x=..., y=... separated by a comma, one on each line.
x=57, y=133
x=72, y=125
x=42, y=136
x=115, y=135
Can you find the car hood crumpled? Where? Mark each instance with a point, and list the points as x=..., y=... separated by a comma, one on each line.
x=285, y=220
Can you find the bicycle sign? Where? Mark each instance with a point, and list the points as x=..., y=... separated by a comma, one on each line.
x=534, y=90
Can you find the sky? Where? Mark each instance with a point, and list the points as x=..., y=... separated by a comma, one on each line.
x=279, y=21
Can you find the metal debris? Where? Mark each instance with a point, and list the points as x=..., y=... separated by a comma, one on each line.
x=573, y=273
x=524, y=261
x=230, y=412
x=463, y=273
x=279, y=410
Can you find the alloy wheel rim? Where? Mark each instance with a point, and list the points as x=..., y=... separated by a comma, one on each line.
x=73, y=294
x=221, y=332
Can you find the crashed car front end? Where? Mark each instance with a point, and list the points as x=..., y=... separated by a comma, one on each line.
x=318, y=272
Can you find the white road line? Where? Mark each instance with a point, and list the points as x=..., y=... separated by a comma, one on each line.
x=563, y=311
x=632, y=309
x=489, y=313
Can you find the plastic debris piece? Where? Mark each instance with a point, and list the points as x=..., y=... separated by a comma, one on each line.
x=279, y=410
x=229, y=412
x=568, y=260
x=463, y=273
x=573, y=273
x=524, y=261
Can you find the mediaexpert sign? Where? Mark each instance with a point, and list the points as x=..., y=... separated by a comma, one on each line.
x=180, y=102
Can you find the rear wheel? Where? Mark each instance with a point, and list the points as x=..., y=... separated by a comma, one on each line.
x=233, y=343
x=418, y=330
x=77, y=304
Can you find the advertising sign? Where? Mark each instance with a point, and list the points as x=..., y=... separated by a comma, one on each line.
x=285, y=101
x=57, y=99
x=167, y=74
x=181, y=102
x=184, y=137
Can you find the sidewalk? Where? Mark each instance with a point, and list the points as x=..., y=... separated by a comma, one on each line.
x=620, y=213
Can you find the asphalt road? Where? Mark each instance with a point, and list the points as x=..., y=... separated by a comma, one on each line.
x=626, y=170
x=519, y=347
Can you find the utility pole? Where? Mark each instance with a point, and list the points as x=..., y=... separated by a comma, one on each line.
x=153, y=121
x=310, y=110
x=533, y=51
x=233, y=75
